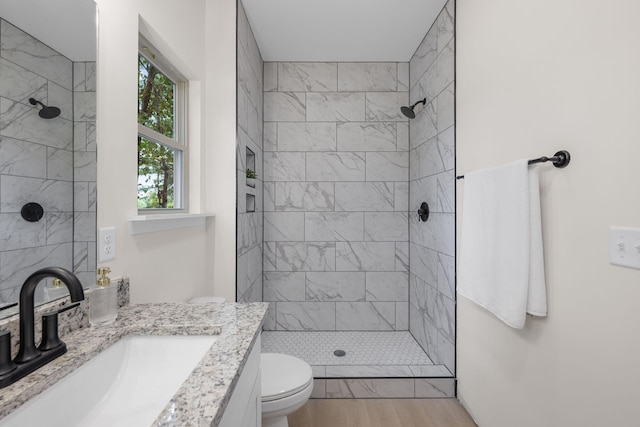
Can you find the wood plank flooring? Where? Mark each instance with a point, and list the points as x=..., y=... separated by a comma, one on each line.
x=381, y=413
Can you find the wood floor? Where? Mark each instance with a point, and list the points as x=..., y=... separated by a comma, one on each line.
x=381, y=413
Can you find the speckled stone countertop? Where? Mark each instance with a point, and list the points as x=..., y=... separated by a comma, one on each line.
x=202, y=398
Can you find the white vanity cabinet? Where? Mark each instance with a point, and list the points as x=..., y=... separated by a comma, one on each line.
x=245, y=407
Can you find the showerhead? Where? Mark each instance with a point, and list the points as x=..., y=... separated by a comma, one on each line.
x=45, y=112
x=408, y=111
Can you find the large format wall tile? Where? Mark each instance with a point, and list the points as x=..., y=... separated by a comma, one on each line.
x=370, y=388
x=60, y=228
x=22, y=158
x=16, y=233
x=425, y=126
x=334, y=226
x=382, y=286
x=16, y=266
x=446, y=276
x=401, y=196
x=308, y=256
x=332, y=106
x=367, y=76
x=270, y=74
x=27, y=52
x=284, y=226
x=432, y=179
x=386, y=226
x=387, y=166
x=365, y=196
x=51, y=194
x=307, y=76
x=284, y=166
x=403, y=76
x=60, y=165
x=402, y=316
x=305, y=316
x=19, y=84
x=284, y=106
x=335, y=287
x=423, y=57
x=434, y=388
x=306, y=136
x=343, y=121
x=385, y=106
x=251, y=286
x=402, y=140
x=370, y=136
x=402, y=256
x=304, y=196
x=22, y=122
x=64, y=99
x=336, y=166
x=373, y=316
x=365, y=256
x=424, y=263
x=283, y=286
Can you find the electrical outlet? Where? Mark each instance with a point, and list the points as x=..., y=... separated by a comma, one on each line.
x=624, y=246
x=106, y=244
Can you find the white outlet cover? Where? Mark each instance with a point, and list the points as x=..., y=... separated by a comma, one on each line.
x=624, y=246
x=106, y=244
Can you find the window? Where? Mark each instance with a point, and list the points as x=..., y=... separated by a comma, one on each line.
x=162, y=148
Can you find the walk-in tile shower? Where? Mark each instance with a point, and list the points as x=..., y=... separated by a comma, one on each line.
x=330, y=234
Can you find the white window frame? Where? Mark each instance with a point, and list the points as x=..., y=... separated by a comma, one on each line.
x=179, y=142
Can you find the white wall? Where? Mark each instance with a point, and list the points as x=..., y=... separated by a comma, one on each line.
x=534, y=77
x=172, y=265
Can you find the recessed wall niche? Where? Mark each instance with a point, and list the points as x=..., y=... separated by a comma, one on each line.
x=251, y=164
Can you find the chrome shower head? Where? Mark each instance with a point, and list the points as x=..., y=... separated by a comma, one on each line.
x=408, y=111
x=45, y=112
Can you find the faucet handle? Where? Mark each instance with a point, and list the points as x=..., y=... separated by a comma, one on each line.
x=6, y=365
x=50, y=338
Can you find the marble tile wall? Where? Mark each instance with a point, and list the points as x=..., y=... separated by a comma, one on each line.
x=249, y=136
x=84, y=171
x=336, y=170
x=39, y=162
x=432, y=180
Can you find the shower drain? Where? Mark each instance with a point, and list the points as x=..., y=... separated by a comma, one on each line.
x=340, y=353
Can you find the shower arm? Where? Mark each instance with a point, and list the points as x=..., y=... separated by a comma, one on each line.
x=423, y=101
x=34, y=101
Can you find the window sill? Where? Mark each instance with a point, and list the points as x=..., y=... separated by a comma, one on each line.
x=140, y=224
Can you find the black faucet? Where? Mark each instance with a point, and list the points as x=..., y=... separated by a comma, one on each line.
x=29, y=357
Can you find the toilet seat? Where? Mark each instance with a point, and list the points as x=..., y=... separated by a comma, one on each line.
x=283, y=376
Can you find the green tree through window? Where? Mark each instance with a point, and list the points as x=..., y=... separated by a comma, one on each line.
x=156, y=160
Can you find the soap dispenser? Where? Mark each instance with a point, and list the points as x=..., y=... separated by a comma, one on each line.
x=103, y=302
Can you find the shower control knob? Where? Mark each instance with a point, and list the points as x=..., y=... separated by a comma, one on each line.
x=423, y=212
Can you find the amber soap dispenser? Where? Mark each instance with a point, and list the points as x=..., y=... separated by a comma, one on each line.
x=103, y=302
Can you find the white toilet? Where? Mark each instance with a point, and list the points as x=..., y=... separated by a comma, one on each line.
x=287, y=383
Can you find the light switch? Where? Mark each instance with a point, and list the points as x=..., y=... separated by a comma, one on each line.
x=624, y=246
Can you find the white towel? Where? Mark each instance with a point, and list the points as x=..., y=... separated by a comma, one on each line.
x=501, y=257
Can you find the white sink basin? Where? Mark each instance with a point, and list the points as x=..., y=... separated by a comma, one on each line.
x=128, y=384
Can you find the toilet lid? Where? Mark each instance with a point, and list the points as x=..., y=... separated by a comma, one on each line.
x=283, y=375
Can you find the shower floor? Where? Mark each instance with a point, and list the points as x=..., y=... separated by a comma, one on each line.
x=368, y=354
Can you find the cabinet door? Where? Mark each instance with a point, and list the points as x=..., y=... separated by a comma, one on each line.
x=253, y=416
x=245, y=406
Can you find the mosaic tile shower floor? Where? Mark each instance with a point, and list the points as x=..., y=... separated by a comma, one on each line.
x=368, y=354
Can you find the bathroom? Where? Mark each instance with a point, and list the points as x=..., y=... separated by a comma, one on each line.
x=531, y=78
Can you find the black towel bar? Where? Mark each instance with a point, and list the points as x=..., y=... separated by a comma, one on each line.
x=560, y=160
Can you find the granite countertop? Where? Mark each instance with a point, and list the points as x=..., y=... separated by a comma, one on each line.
x=202, y=398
